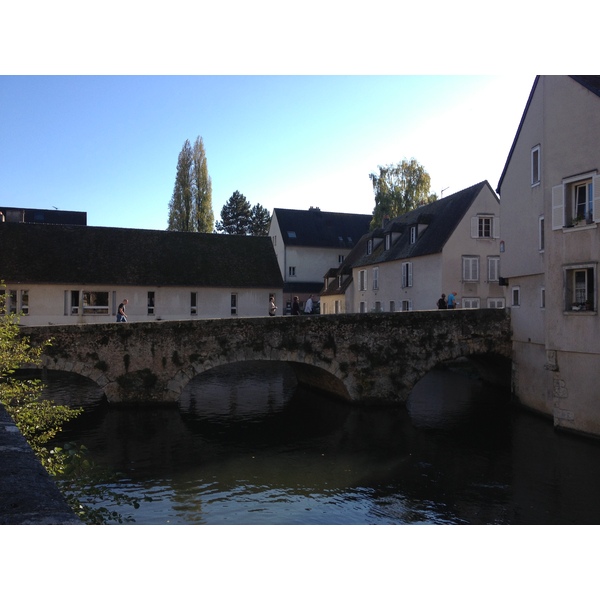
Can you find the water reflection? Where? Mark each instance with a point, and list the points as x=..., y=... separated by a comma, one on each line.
x=247, y=446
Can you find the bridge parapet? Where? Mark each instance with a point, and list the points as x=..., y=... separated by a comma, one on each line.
x=360, y=357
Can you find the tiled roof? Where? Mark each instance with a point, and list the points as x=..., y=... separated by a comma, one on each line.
x=441, y=218
x=318, y=229
x=36, y=253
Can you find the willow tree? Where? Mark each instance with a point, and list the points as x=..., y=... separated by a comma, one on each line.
x=399, y=189
x=190, y=208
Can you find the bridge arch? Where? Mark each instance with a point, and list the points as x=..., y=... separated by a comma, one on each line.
x=363, y=358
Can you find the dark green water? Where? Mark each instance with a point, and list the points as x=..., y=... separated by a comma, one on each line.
x=245, y=446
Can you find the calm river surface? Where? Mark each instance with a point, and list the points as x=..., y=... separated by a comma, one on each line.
x=246, y=446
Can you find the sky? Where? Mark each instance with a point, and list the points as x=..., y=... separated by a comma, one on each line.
x=108, y=145
x=296, y=107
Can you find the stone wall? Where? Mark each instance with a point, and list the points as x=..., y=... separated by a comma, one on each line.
x=363, y=358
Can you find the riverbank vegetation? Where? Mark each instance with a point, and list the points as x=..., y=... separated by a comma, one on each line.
x=40, y=420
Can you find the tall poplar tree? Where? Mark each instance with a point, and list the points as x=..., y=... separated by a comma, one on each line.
x=201, y=189
x=399, y=189
x=190, y=208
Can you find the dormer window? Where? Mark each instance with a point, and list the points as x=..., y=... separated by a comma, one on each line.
x=369, y=246
x=388, y=241
x=413, y=234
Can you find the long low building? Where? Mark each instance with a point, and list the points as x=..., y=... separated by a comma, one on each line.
x=64, y=274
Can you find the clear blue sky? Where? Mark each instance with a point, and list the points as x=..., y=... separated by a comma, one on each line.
x=296, y=105
x=108, y=145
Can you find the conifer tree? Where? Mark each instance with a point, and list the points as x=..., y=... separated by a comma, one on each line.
x=236, y=216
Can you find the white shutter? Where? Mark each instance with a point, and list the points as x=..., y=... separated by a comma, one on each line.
x=596, y=198
x=474, y=227
x=558, y=202
x=496, y=228
x=410, y=271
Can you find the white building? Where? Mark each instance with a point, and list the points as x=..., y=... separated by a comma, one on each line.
x=550, y=209
x=63, y=274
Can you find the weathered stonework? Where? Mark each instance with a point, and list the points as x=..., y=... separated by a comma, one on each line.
x=359, y=357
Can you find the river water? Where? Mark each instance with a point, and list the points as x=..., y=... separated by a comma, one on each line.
x=247, y=446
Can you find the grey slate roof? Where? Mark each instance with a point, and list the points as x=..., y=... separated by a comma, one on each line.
x=42, y=253
x=345, y=269
x=318, y=229
x=441, y=217
x=42, y=215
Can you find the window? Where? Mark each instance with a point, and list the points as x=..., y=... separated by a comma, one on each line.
x=542, y=297
x=407, y=274
x=340, y=258
x=274, y=238
x=575, y=200
x=470, y=302
x=362, y=280
x=580, y=288
x=406, y=305
x=495, y=303
x=369, y=246
x=470, y=268
x=292, y=235
x=24, y=304
x=413, y=234
x=493, y=268
x=541, y=234
x=535, y=165
x=337, y=307
x=362, y=307
x=340, y=281
x=377, y=307
x=388, y=241
x=292, y=271
x=234, y=304
x=150, y=303
x=375, y=278
x=392, y=306
x=485, y=227
x=91, y=303
x=516, y=296
x=193, y=303
x=10, y=301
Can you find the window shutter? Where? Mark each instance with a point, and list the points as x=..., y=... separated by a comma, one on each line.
x=596, y=198
x=496, y=226
x=474, y=227
x=558, y=214
x=410, y=274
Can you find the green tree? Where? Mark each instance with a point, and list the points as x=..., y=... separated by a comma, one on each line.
x=236, y=216
x=190, y=207
x=201, y=189
x=260, y=220
x=399, y=189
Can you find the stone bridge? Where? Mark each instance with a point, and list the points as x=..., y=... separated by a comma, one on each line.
x=367, y=358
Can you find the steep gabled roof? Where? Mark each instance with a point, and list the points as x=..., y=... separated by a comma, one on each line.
x=346, y=268
x=36, y=253
x=441, y=218
x=317, y=229
x=590, y=82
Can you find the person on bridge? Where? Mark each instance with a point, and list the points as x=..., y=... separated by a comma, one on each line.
x=272, y=307
x=441, y=303
x=121, y=316
x=308, y=307
x=296, y=306
x=452, y=302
